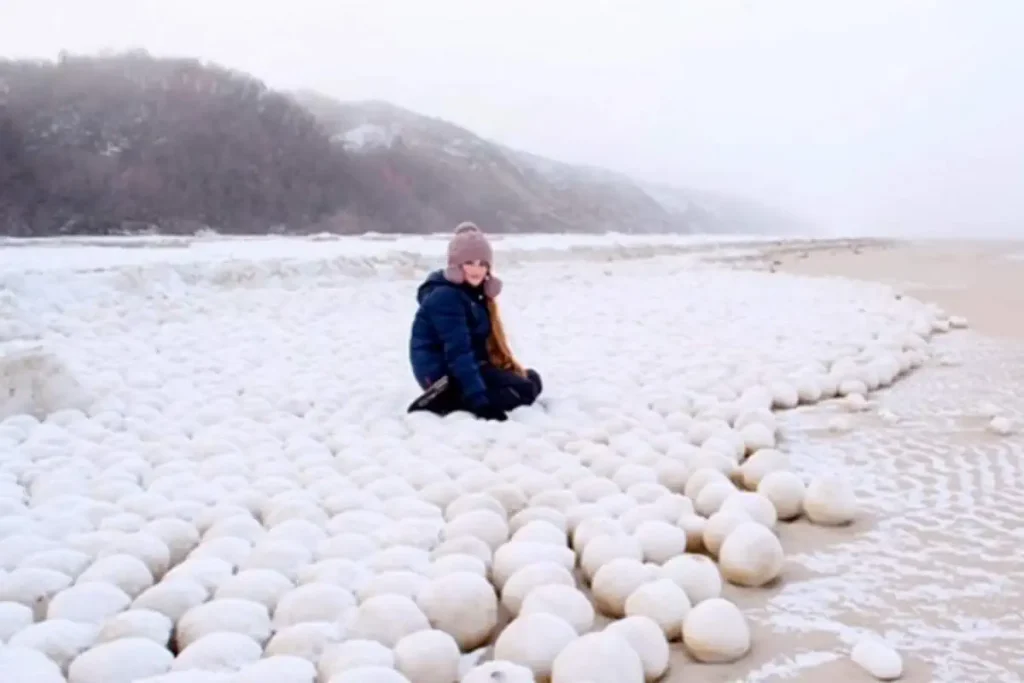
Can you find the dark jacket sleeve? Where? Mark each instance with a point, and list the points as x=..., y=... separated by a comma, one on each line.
x=447, y=313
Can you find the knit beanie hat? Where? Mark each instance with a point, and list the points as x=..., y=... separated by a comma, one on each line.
x=470, y=244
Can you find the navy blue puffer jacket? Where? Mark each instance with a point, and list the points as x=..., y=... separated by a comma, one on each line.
x=449, y=335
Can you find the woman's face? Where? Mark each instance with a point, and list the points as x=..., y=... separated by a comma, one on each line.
x=475, y=272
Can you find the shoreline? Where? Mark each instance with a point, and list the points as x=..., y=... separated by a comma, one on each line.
x=982, y=281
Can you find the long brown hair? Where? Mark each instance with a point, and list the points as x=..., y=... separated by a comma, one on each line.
x=497, y=344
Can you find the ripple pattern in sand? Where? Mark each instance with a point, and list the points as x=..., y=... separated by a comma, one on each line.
x=936, y=565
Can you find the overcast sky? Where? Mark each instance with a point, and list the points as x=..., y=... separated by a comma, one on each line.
x=869, y=116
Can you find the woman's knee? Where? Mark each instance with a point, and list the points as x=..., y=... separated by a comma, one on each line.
x=534, y=377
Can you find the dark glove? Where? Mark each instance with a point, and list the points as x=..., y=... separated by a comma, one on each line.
x=488, y=411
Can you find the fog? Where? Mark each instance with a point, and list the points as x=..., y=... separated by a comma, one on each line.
x=866, y=116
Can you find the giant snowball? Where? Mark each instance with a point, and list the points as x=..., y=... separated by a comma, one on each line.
x=534, y=640
x=600, y=657
x=697, y=575
x=660, y=541
x=760, y=464
x=716, y=632
x=663, y=601
x=786, y=491
x=566, y=602
x=830, y=501
x=751, y=555
x=387, y=619
x=530, y=577
x=498, y=671
x=462, y=604
x=428, y=656
x=648, y=640
x=615, y=581
x=120, y=661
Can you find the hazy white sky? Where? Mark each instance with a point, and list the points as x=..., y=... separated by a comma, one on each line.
x=867, y=115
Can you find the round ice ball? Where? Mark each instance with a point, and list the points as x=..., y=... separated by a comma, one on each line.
x=751, y=555
x=716, y=632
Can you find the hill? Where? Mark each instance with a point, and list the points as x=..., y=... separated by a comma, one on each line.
x=130, y=143
x=94, y=145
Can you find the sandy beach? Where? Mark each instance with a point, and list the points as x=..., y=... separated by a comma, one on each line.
x=934, y=567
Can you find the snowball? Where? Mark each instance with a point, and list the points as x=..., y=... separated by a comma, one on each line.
x=397, y=583
x=877, y=658
x=264, y=586
x=462, y=604
x=473, y=501
x=14, y=616
x=120, y=661
x=534, y=640
x=369, y=674
x=457, y=562
x=603, y=549
x=758, y=507
x=128, y=573
x=223, y=615
x=464, y=545
x=1001, y=426
x=487, y=525
x=278, y=669
x=209, y=571
x=59, y=639
x=532, y=576
x=540, y=531
x=21, y=664
x=312, y=602
x=712, y=496
x=307, y=640
x=720, y=525
x=751, y=556
x=513, y=556
x=428, y=656
x=601, y=657
x=786, y=492
x=137, y=623
x=760, y=464
x=498, y=671
x=538, y=514
x=69, y=562
x=615, y=581
x=663, y=601
x=172, y=597
x=590, y=528
x=353, y=654
x=339, y=571
x=346, y=545
x=660, y=541
x=566, y=602
x=89, y=602
x=756, y=436
x=646, y=638
x=222, y=651
x=695, y=574
x=387, y=618
x=281, y=555
x=716, y=632
x=32, y=587
x=829, y=501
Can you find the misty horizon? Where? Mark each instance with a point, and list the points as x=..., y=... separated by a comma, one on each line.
x=866, y=118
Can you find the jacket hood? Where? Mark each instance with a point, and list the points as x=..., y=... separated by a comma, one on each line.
x=433, y=281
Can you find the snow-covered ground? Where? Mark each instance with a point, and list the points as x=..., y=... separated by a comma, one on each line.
x=226, y=447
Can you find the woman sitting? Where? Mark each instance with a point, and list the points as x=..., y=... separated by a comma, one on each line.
x=458, y=350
